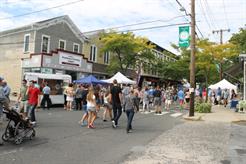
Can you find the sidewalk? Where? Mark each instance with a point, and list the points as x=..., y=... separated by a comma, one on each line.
x=221, y=114
x=194, y=142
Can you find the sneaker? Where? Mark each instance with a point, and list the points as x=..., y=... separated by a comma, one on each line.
x=91, y=126
x=129, y=131
x=83, y=124
x=33, y=123
x=113, y=124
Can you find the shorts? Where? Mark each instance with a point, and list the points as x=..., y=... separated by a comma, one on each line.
x=107, y=105
x=168, y=102
x=187, y=100
x=23, y=106
x=91, y=109
x=157, y=101
x=69, y=98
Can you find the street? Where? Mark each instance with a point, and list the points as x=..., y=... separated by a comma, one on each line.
x=60, y=139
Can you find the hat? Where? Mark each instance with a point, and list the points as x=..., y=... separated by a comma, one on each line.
x=1, y=78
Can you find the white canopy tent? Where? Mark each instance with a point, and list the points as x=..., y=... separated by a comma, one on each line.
x=223, y=84
x=121, y=79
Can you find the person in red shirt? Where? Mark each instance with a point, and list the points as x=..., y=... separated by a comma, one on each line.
x=33, y=94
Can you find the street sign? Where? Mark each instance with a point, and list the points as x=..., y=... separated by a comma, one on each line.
x=184, y=36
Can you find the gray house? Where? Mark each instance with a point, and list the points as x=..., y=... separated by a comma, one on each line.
x=52, y=46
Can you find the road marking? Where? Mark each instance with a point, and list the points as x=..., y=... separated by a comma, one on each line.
x=176, y=114
x=11, y=152
x=161, y=113
x=147, y=112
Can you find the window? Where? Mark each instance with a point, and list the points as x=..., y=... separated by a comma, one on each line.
x=27, y=43
x=106, y=57
x=93, y=53
x=76, y=47
x=62, y=44
x=45, y=44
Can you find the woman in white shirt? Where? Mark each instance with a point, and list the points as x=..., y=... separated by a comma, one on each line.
x=91, y=107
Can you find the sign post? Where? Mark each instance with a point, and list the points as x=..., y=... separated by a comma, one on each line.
x=243, y=59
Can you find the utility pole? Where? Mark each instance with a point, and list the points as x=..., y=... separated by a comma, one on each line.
x=221, y=42
x=192, y=59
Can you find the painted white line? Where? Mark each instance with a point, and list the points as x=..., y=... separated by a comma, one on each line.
x=176, y=114
x=162, y=113
x=11, y=152
x=147, y=112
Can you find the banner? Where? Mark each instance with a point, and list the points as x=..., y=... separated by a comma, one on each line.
x=184, y=36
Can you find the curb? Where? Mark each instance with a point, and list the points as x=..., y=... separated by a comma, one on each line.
x=193, y=118
x=237, y=121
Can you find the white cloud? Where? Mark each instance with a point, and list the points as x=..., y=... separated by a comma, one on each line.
x=96, y=14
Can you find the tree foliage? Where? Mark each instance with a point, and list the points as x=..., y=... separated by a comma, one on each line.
x=239, y=39
x=128, y=50
x=208, y=54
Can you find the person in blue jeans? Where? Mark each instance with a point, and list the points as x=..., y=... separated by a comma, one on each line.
x=84, y=93
x=131, y=106
x=116, y=99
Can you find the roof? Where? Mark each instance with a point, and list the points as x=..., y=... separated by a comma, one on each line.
x=46, y=23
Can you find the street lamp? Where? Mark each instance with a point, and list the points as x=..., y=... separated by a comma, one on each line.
x=242, y=58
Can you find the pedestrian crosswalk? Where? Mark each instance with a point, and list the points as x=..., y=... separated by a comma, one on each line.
x=174, y=114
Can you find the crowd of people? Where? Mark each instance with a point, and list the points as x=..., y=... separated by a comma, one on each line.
x=113, y=99
x=219, y=96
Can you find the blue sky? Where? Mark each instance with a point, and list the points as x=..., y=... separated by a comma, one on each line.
x=99, y=14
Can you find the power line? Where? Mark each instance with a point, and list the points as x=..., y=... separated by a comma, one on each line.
x=38, y=11
x=210, y=12
x=135, y=24
x=182, y=8
x=153, y=27
x=138, y=29
x=225, y=13
x=206, y=18
x=159, y=20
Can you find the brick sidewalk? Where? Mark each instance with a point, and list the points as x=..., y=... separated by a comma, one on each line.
x=194, y=142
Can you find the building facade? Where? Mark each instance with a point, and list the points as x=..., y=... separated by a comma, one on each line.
x=50, y=46
x=57, y=46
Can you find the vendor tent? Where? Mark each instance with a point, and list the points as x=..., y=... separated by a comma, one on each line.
x=89, y=80
x=121, y=79
x=223, y=84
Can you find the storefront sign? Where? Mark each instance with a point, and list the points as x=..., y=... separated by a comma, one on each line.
x=69, y=59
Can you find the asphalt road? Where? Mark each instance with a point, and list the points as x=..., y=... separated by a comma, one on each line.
x=61, y=140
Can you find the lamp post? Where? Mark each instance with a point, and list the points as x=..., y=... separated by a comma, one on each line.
x=243, y=59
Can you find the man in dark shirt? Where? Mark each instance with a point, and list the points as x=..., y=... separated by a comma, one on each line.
x=116, y=96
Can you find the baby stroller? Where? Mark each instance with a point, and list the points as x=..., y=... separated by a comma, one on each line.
x=18, y=128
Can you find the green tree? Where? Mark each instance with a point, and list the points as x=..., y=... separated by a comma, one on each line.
x=239, y=39
x=209, y=54
x=175, y=70
x=128, y=50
